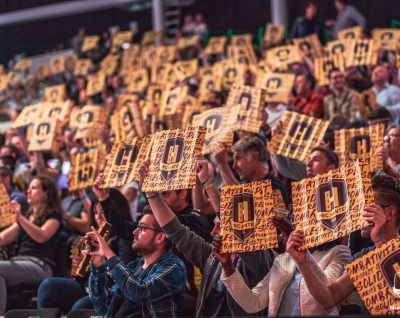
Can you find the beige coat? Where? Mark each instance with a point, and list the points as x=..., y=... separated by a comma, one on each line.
x=346, y=106
x=327, y=265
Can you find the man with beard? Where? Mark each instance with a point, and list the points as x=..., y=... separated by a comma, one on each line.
x=154, y=285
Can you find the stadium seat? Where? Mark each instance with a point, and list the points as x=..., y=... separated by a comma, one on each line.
x=30, y=313
x=83, y=313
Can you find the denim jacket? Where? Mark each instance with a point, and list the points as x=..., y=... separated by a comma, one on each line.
x=161, y=293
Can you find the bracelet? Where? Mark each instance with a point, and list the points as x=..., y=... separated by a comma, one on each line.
x=84, y=197
x=202, y=183
x=208, y=187
x=152, y=196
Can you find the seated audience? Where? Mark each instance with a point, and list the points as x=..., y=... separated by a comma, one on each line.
x=342, y=101
x=384, y=216
x=250, y=162
x=152, y=285
x=213, y=300
x=69, y=294
x=37, y=234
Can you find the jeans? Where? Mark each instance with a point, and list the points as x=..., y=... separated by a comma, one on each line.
x=62, y=293
x=21, y=269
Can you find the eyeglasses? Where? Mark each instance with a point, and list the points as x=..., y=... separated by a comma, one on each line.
x=337, y=77
x=387, y=137
x=141, y=227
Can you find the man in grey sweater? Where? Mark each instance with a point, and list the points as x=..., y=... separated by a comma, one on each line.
x=348, y=17
x=213, y=299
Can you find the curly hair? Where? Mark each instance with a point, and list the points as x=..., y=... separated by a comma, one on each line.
x=51, y=203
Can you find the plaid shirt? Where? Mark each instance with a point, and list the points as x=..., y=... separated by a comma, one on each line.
x=161, y=293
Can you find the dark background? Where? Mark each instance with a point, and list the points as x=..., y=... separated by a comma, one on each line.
x=35, y=38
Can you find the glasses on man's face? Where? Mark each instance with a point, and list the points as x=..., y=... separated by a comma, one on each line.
x=141, y=227
x=337, y=77
x=390, y=137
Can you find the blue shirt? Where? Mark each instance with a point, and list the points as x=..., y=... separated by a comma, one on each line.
x=290, y=304
x=159, y=289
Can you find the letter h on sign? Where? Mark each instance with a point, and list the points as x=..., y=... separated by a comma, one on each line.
x=329, y=200
x=126, y=157
x=211, y=125
x=173, y=152
x=243, y=208
x=43, y=130
x=362, y=146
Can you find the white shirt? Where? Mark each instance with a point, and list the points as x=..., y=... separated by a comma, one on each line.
x=134, y=204
x=275, y=115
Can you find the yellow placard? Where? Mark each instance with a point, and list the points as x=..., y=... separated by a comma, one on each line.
x=125, y=160
x=138, y=82
x=122, y=37
x=209, y=84
x=251, y=101
x=149, y=37
x=128, y=103
x=386, y=38
x=149, y=54
x=245, y=210
x=362, y=52
x=216, y=45
x=159, y=72
x=91, y=118
x=75, y=118
x=323, y=65
x=83, y=170
x=232, y=74
x=363, y=143
x=55, y=110
x=95, y=83
x=242, y=54
x=165, y=54
x=172, y=159
x=278, y=86
x=28, y=115
x=44, y=134
x=188, y=41
x=57, y=64
x=70, y=62
x=186, y=69
x=155, y=96
x=82, y=67
x=192, y=108
x=242, y=39
x=301, y=134
x=376, y=277
x=278, y=199
x=109, y=64
x=55, y=94
x=132, y=51
x=3, y=82
x=274, y=33
x=90, y=42
x=6, y=216
x=279, y=58
x=330, y=206
x=42, y=71
x=353, y=33
x=206, y=71
x=220, y=124
x=171, y=99
x=310, y=45
x=338, y=47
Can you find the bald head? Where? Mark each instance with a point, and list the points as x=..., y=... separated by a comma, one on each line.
x=380, y=75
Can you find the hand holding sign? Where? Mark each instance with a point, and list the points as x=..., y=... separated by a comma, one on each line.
x=143, y=170
x=296, y=240
x=223, y=258
x=201, y=167
x=101, y=193
x=103, y=249
x=282, y=225
x=374, y=213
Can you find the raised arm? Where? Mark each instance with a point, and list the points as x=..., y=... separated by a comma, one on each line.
x=327, y=290
x=120, y=226
x=221, y=157
x=206, y=205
